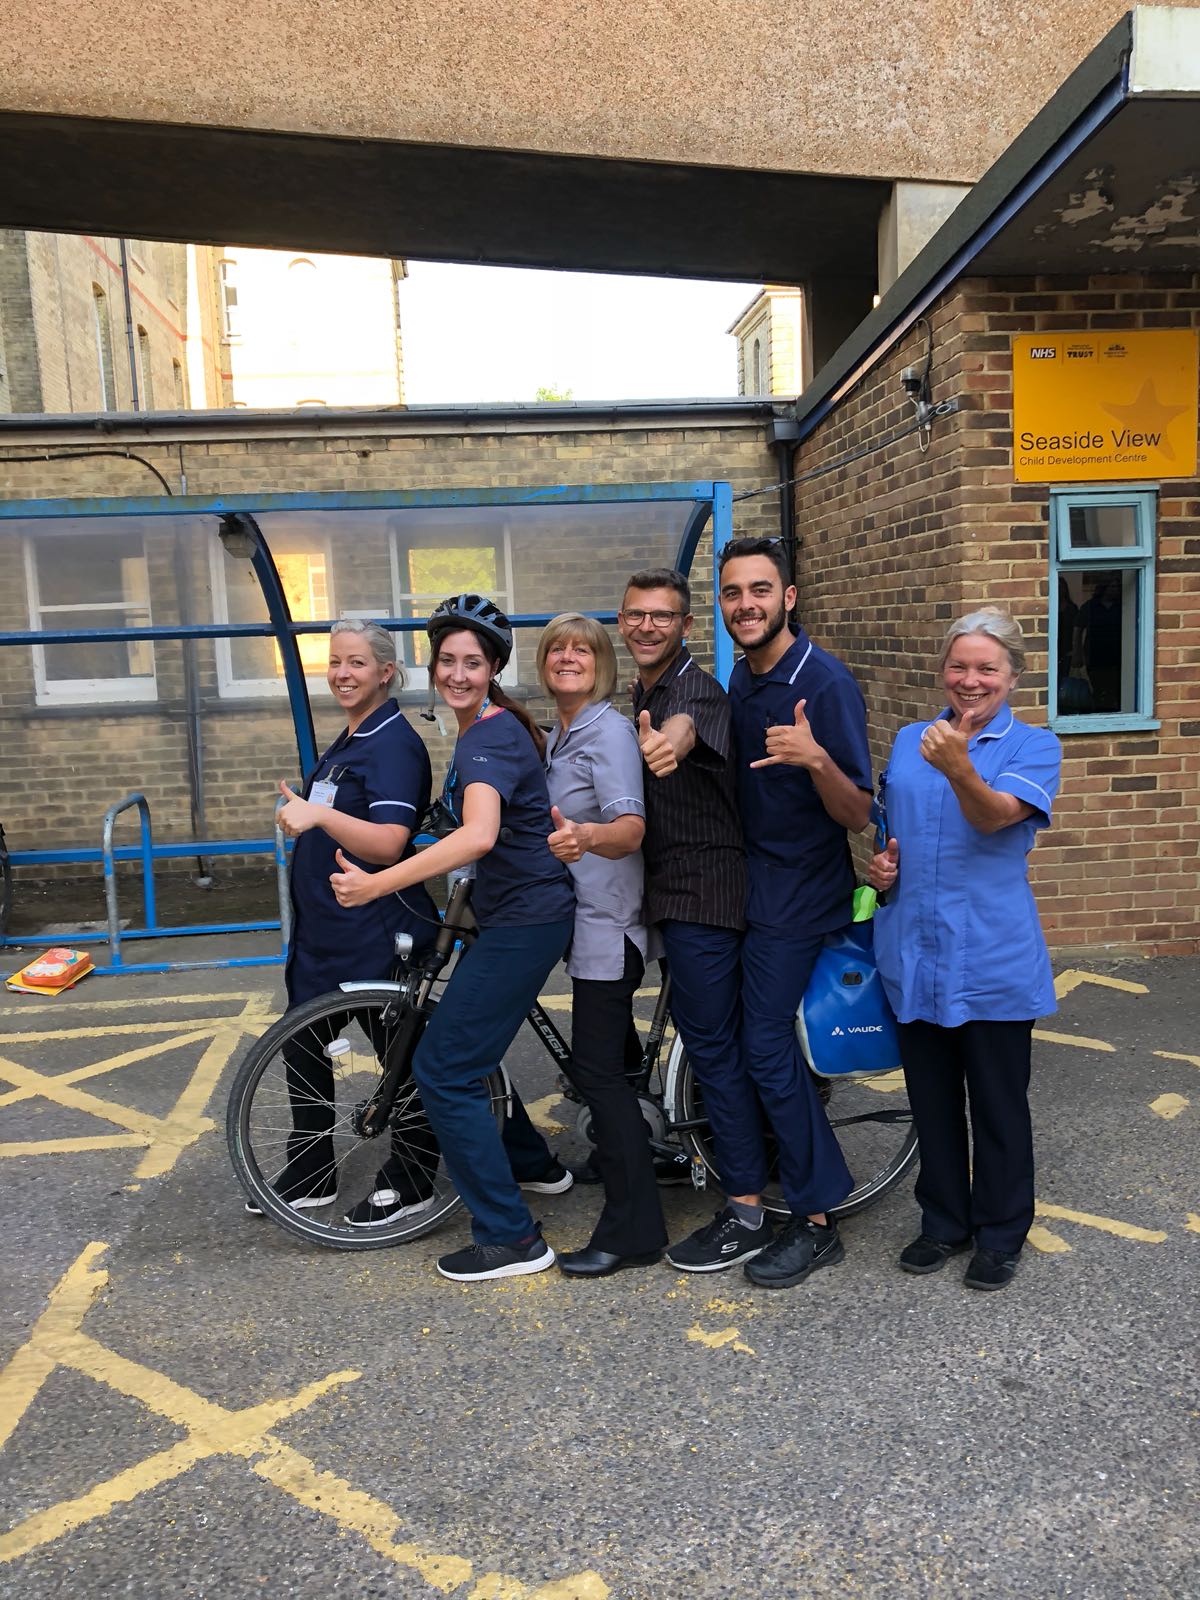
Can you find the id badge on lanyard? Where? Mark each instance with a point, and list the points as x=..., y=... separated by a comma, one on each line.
x=324, y=792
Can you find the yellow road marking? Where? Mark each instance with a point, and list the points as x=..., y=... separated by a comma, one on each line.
x=718, y=1339
x=1193, y=1222
x=163, y=1137
x=886, y=1083
x=539, y=1113
x=1171, y=1055
x=1123, y=1230
x=159, y=1000
x=72, y=1147
x=171, y=1025
x=1071, y=979
x=58, y=1340
x=1168, y=1106
x=1050, y=1244
x=1077, y=1039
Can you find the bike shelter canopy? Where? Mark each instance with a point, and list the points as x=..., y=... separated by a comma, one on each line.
x=176, y=646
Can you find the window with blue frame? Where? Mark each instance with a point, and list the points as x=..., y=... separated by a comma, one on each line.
x=1102, y=609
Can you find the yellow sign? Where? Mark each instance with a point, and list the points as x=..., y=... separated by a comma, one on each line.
x=1096, y=406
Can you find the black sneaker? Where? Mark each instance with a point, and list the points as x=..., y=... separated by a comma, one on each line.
x=385, y=1205
x=555, y=1180
x=928, y=1255
x=721, y=1243
x=798, y=1249
x=480, y=1261
x=990, y=1269
x=299, y=1188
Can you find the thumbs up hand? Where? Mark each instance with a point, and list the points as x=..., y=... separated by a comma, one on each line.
x=298, y=815
x=884, y=868
x=945, y=747
x=352, y=886
x=570, y=840
x=794, y=746
x=657, y=750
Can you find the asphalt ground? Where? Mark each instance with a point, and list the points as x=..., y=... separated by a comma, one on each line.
x=193, y=1403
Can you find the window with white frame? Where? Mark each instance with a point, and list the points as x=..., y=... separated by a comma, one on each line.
x=89, y=580
x=227, y=285
x=428, y=568
x=1102, y=609
x=247, y=667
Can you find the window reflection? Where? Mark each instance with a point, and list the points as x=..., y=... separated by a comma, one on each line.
x=1097, y=640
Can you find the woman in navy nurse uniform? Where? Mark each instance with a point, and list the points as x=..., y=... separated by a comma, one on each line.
x=960, y=948
x=525, y=908
x=365, y=795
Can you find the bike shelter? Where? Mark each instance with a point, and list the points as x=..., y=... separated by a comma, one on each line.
x=163, y=653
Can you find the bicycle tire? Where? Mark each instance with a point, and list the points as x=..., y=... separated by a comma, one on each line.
x=864, y=1130
x=260, y=1120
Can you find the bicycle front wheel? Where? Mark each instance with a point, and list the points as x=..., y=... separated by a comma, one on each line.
x=870, y=1117
x=294, y=1126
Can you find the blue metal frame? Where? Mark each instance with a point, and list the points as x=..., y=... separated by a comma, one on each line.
x=1137, y=558
x=709, y=499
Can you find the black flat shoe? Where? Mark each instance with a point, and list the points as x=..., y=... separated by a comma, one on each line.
x=990, y=1269
x=930, y=1255
x=593, y=1263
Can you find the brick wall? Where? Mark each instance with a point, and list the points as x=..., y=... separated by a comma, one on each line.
x=896, y=545
x=64, y=765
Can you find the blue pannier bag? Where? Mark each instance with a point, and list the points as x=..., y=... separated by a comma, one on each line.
x=845, y=1026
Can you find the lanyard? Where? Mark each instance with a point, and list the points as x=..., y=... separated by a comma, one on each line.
x=450, y=786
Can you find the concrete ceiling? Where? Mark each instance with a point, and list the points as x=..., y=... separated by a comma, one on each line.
x=433, y=202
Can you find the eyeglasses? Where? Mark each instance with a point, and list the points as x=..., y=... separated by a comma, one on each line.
x=660, y=619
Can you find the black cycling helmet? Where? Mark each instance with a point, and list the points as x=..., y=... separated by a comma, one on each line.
x=480, y=616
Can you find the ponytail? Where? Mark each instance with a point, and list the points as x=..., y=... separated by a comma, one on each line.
x=498, y=698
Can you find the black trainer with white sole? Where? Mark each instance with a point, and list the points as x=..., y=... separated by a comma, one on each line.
x=301, y=1190
x=799, y=1248
x=555, y=1180
x=479, y=1261
x=720, y=1244
x=385, y=1205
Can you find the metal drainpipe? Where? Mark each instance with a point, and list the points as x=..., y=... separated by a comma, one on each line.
x=783, y=433
x=129, y=339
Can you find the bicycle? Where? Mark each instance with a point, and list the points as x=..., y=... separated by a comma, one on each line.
x=360, y=1041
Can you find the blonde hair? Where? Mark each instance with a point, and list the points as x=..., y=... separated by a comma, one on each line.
x=382, y=644
x=574, y=626
x=995, y=624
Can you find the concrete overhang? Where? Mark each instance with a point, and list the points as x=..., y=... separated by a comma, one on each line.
x=1106, y=178
x=431, y=202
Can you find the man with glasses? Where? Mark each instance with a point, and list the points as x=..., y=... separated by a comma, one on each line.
x=803, y=773
x=695, y=865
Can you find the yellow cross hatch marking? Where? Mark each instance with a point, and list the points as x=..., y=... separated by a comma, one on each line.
x=162, y=1138
x=58, y=1340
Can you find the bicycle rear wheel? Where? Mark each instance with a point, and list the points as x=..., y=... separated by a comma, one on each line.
x=295, y=1110
x=870, y=1117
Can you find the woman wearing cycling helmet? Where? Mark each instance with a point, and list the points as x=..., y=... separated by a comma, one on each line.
x=524, y=905
x=594, y=772
x=365, y=794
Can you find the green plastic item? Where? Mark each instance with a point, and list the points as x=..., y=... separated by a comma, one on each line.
x=864, y=903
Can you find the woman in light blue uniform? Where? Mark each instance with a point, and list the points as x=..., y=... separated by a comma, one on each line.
x=960, y=948
x=365, y=795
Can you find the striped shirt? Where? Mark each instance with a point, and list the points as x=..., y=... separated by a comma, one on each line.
x=695, y=859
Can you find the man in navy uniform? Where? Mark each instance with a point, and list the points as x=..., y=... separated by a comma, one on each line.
x=803, y=774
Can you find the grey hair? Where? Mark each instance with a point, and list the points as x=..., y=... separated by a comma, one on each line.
x=381, y=641
x=995, y=624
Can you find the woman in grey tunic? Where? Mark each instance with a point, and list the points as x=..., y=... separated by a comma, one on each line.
x=594, y=773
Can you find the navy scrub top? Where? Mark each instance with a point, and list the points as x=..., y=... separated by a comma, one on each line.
x=381, y=772
x=799, y=870
x=518, y=884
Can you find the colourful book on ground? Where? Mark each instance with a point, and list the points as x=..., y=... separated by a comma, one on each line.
x=52, y=972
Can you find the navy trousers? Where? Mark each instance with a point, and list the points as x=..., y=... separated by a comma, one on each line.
x=486, y=999
x=705, y=964
x=776, y=967
x=985, y=1188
